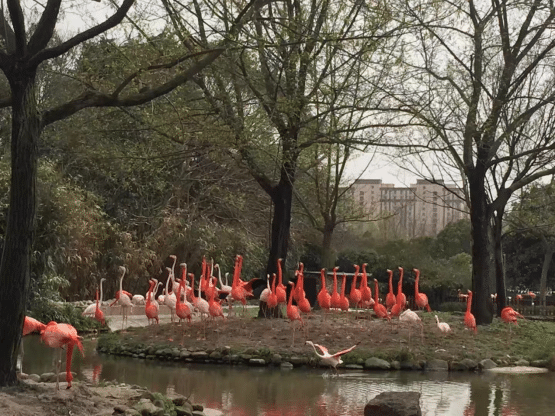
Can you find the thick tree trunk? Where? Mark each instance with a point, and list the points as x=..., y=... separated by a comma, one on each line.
x=499, y=263
x=328, y=257
x=548, y=255
x=15, y=263
x=282, y=198
x=482, y=253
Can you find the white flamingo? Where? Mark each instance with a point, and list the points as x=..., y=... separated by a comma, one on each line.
x=333, y=360
x=443, y=326
x=124, y=300
x=170, y=299
x=411, y=318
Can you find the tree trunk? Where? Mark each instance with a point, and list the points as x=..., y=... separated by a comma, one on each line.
x=499, y=263
x=282, y=198
x=482, y=256
x=328, y=258
x=15, y=263
x=548, y=255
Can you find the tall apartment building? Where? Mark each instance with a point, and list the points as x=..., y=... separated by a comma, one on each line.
x=422, y=209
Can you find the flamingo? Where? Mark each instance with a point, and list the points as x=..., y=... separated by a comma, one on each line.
x=401, y=297
x=93, y=309
x=299, y=287
x=280, y=288
x=324, y=298
x=57, y=335
x=223, y=288
x=175, y=285
x=123, y=270
x=214, y=307
x=239, y=288
x=184, y=288
x=124, y=299
x=293, y=313
x=355, y=296
x=30, y=325
x=462, y=296
x=182, y=309
x=365, y=291
x=343, y=301
x=390, y=299
x=379, y=309
x=333, y=360
x=420, y=298
x=170, y=299
x=151, y=311
x=273, y=298
x=335, y=297
x=443, y=326
x=469, y=320
x=138, y=300
x=509, y=315
x=200, y=304
x=266, y=292
x=411, y=318
x=397, y=308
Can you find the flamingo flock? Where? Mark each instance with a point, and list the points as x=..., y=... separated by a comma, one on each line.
x=185, y=301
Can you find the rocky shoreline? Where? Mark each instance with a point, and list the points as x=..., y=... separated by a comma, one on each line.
x=265, y=357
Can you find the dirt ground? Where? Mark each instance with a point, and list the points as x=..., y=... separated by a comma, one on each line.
x=334, y=330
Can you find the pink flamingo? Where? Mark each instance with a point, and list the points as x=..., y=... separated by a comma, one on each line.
x=323, y=297
x=420, y=298
x=293, y=313
x=365, y=291
x=182, y=309
x=355, y=296
x=280, y=288
x=343, y=301
x=379, y=309
x=335, y=297
x=151, y=311
x=57, y=335
x=401, y=297
x=469, y=320
x=273, y=297
x=390, y=299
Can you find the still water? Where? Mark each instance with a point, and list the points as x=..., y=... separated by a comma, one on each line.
x=245, y=391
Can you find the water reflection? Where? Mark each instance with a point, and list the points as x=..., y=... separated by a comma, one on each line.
x=238, y=391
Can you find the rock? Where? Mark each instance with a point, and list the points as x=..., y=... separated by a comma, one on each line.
x=286, y=365
x=276, y=359
x=522, y=363
x=146, y=408
x=354, y=367
x=296, y=361
x=374, y=363
x=257, y=362
x=487, y=364
x=182, y=411
x=437, y=365
x=535, y=363
x=466, y=364
x=120, y=409
x=394, y=404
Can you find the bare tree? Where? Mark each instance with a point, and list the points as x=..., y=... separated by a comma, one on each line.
x=475, y=85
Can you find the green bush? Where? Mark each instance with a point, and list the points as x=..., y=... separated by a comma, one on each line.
x=452, y=307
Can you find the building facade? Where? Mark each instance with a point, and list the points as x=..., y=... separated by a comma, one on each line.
x=422, y=209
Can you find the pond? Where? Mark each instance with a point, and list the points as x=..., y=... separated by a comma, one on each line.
x=246, y=391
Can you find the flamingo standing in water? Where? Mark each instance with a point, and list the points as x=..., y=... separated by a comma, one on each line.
x=379, y=309
x=469, y=320
x=293, y=313
x=355, y=296
x=57, y=335
x=335, y=297
x=420, y=298
x=124, y=299
x=324, y=298
x=333, y=360
x=401, y=297
x=390, y=299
